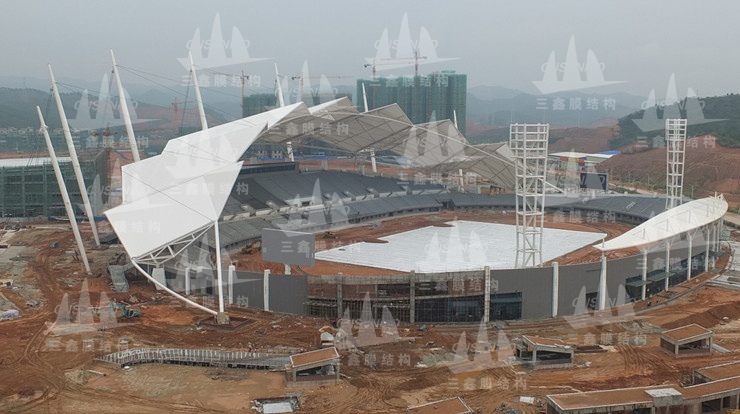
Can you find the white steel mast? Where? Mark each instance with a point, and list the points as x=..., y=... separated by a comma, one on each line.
x=124, y=111
x=63, y=190
x=75, y=160
x=372, y=150
x=204, y=126
x=281, y=102
x=201, y=111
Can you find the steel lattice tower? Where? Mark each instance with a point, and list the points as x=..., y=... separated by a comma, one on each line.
x=529, y=145
x=675, y=140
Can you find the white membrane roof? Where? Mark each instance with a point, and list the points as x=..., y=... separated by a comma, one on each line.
x=182, y=190
x=670, y=223
x=437, y=144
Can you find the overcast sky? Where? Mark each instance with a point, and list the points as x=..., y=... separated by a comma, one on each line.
x=501, y=43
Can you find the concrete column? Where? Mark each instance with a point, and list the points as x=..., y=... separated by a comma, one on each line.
x=714, y=238
x=266, y=289
x=158, y=275
x=287, y=269
x=412, y=297
x=340, y=284
x=555, y=288
x=291, y=158
x=187, y=280
x=534, y=357
x=230, y=278
x=667, y=263
x=487, y=291
x=706, y=249
x=644, y=272
x=602, y=284
x=689, y=261
x=719, y=234
x=373, y=161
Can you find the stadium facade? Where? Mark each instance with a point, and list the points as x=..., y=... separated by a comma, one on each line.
x=468, y=296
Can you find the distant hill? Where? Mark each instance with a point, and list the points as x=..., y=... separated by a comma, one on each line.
x=487, y=92
x=504, y=107
x=18, y=109
x=719, y=107
x=709, y=169
x=561, y=139
x=590, y=140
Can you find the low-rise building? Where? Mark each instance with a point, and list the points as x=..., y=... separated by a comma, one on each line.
x=539, y=352
x=689, y=340
x=716, y=372
x=319, y=367
x=718, y=395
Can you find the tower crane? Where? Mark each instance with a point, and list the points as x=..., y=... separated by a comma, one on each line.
x=391, y=61
x=301, y=81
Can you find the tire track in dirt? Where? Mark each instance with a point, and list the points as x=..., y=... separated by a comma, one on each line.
x=32, y=369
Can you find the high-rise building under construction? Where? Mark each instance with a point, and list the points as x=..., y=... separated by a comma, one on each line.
x=436, y=96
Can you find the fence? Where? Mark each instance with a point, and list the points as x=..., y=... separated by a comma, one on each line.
x=203, y=357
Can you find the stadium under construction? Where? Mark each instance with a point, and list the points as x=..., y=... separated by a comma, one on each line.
x=200, y=199
x=417, y=227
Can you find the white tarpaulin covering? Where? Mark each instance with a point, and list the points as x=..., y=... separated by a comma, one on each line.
x=465, y=246
x=686, y=217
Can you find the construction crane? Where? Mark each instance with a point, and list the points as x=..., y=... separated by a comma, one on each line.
x=301, y=79
x=391, y=61
x=176, y=108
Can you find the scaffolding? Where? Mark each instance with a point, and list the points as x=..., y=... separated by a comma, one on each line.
x=675, y=140
x=528, y=142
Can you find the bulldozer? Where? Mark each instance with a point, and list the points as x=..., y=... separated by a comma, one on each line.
x=123, y=311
